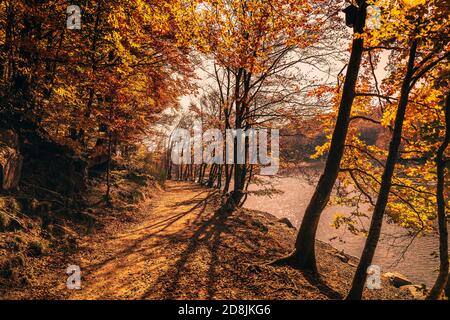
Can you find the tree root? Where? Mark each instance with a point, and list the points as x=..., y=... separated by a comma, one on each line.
x=291, y=261
x=286, y=261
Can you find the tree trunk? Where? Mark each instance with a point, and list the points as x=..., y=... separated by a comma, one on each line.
x=108, y=172
x=10, y=160
x=228, y=174
x=219, y=177
x=447, y=288
x=303, y=256
x=237, y=192
x=10, y=167
x=212, y=175
x=386, y=181
x=442, y=221
x=169, y=169
x=249, y=180
x=195, y=172
x=186, y=173
x=239, y=184
x=201, y=173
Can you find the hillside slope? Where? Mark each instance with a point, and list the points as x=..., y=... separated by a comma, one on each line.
x=177, y=247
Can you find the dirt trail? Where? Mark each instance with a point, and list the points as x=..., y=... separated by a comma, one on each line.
x=131, y=262
x=181, y=248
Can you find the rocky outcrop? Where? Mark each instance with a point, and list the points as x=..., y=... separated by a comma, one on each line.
x=342, y=256
x=397, y=279
x=417, y=291
x=287, y=222
x=50, y=166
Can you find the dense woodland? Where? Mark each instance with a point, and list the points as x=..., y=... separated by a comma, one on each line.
x=366, y=93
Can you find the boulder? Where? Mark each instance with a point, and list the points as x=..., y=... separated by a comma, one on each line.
x=51, y=167
x=417, y=291
x=287, y=222
x=397, y=279
x=341, y=256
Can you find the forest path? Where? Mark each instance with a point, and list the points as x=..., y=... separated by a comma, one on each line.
x=179, y=246
x=131, y=265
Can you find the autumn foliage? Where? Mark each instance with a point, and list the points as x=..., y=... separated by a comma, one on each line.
x=374, y=101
